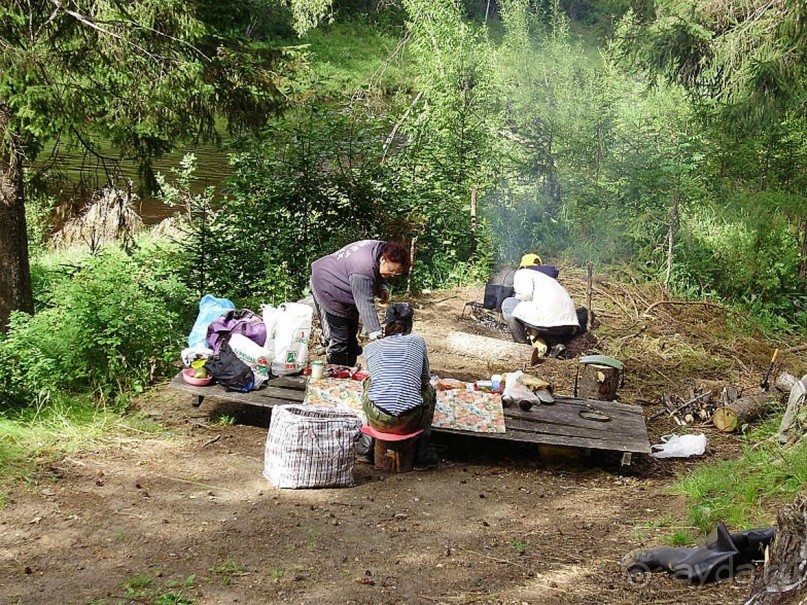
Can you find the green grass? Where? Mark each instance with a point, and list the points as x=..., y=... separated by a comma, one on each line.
x=746, y=492
x=353, y=55
x=51, y=428
x=228, y=567
x=519, y=546
x=223, y=420
x=139, y=581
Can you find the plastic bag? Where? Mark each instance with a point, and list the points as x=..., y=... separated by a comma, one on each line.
x=270, y=321
x=253, y=355
x=293, y=329
x=229, y=371
x=516, y=391
x=210, y=308
x=679, y=446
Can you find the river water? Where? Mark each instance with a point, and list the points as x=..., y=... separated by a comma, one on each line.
x=75, y=170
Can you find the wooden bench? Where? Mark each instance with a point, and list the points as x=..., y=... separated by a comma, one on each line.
x=569, y=422
x=280, y=390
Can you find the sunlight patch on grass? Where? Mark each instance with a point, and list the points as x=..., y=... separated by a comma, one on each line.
x=746, y=492
x=60, y=426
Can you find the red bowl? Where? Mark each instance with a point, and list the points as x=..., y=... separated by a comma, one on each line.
x=187, y=376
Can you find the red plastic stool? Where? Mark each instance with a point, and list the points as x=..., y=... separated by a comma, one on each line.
x=393, y=453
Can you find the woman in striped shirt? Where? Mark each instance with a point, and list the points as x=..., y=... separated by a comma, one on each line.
x=398, y=397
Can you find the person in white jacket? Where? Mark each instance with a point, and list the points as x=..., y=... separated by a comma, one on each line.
x=541, y=307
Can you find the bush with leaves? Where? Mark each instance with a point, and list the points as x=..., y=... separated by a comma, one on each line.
x=309, y=185
x=118, y=321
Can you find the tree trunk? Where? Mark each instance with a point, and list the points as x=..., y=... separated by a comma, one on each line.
x=802, y=230
x=499, y=354
x=395, y=456
x=784, y=578
x=671, y=241
x=15, y=274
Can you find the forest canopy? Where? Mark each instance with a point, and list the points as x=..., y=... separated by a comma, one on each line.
x=666, y=138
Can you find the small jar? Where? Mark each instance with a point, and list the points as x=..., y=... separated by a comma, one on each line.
x=317, y=370
x=496, y=382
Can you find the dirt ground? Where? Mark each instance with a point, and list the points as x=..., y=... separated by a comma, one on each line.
x=185, y=516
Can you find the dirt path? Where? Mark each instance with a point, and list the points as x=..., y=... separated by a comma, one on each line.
x=188, y=512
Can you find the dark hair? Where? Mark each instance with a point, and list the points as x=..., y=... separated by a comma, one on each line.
x=396, y=252
x=398, y=319
x=396, y=327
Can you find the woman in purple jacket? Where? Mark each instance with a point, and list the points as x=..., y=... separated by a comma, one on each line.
x=344, y=285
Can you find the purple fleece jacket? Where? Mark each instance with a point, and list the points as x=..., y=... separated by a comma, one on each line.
x=347, y=280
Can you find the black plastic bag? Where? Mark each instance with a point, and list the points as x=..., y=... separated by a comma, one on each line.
x=229, y=371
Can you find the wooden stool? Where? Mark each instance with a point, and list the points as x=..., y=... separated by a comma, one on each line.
x=393, y=453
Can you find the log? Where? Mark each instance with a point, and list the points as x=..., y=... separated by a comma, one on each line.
x=395, y=456
x=497, y=353
x=598, y=382
x=746, y=409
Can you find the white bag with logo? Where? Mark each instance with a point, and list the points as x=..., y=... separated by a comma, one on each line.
x=252, y=354
x=292, y=332
x=270, y=321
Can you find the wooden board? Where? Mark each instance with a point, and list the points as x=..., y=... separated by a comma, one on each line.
x=284, y=389
x=562, y=424
x=557, y=424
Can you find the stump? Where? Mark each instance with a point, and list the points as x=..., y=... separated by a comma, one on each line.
x=598, y=382
x=746, y=409
x=395, y=456
x=784, y=579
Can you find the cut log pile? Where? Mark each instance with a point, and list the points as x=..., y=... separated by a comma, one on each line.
x=696, y=406
x=727, y=411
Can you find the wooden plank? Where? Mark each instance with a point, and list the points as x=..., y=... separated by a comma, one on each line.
x=579, y=442
x=285, y=389
x=561, y=424
x=558, y=424
x=571, y=414
x=618, y=432
x=609, y=441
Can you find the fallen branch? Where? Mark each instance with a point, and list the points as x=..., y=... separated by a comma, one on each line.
x=625, y=310
x=471, y=598
x=680, y=407
x=194, y=483
x=690, y=302
x=216, y=438
x=442, y=300
x=498, y=560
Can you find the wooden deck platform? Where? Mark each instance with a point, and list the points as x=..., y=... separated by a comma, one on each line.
x=570, y=422
x=284, y=389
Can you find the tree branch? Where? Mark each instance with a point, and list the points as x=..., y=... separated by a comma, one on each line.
x=95, y=26
x=690, y=302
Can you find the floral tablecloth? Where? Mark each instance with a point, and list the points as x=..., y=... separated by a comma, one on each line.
x=456, y=408
x=340, y=393
x=469, y=411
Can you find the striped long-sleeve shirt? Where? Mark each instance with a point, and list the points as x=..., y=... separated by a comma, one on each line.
x=399, y=368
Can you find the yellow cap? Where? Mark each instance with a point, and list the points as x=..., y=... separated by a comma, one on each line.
x=528, y=260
